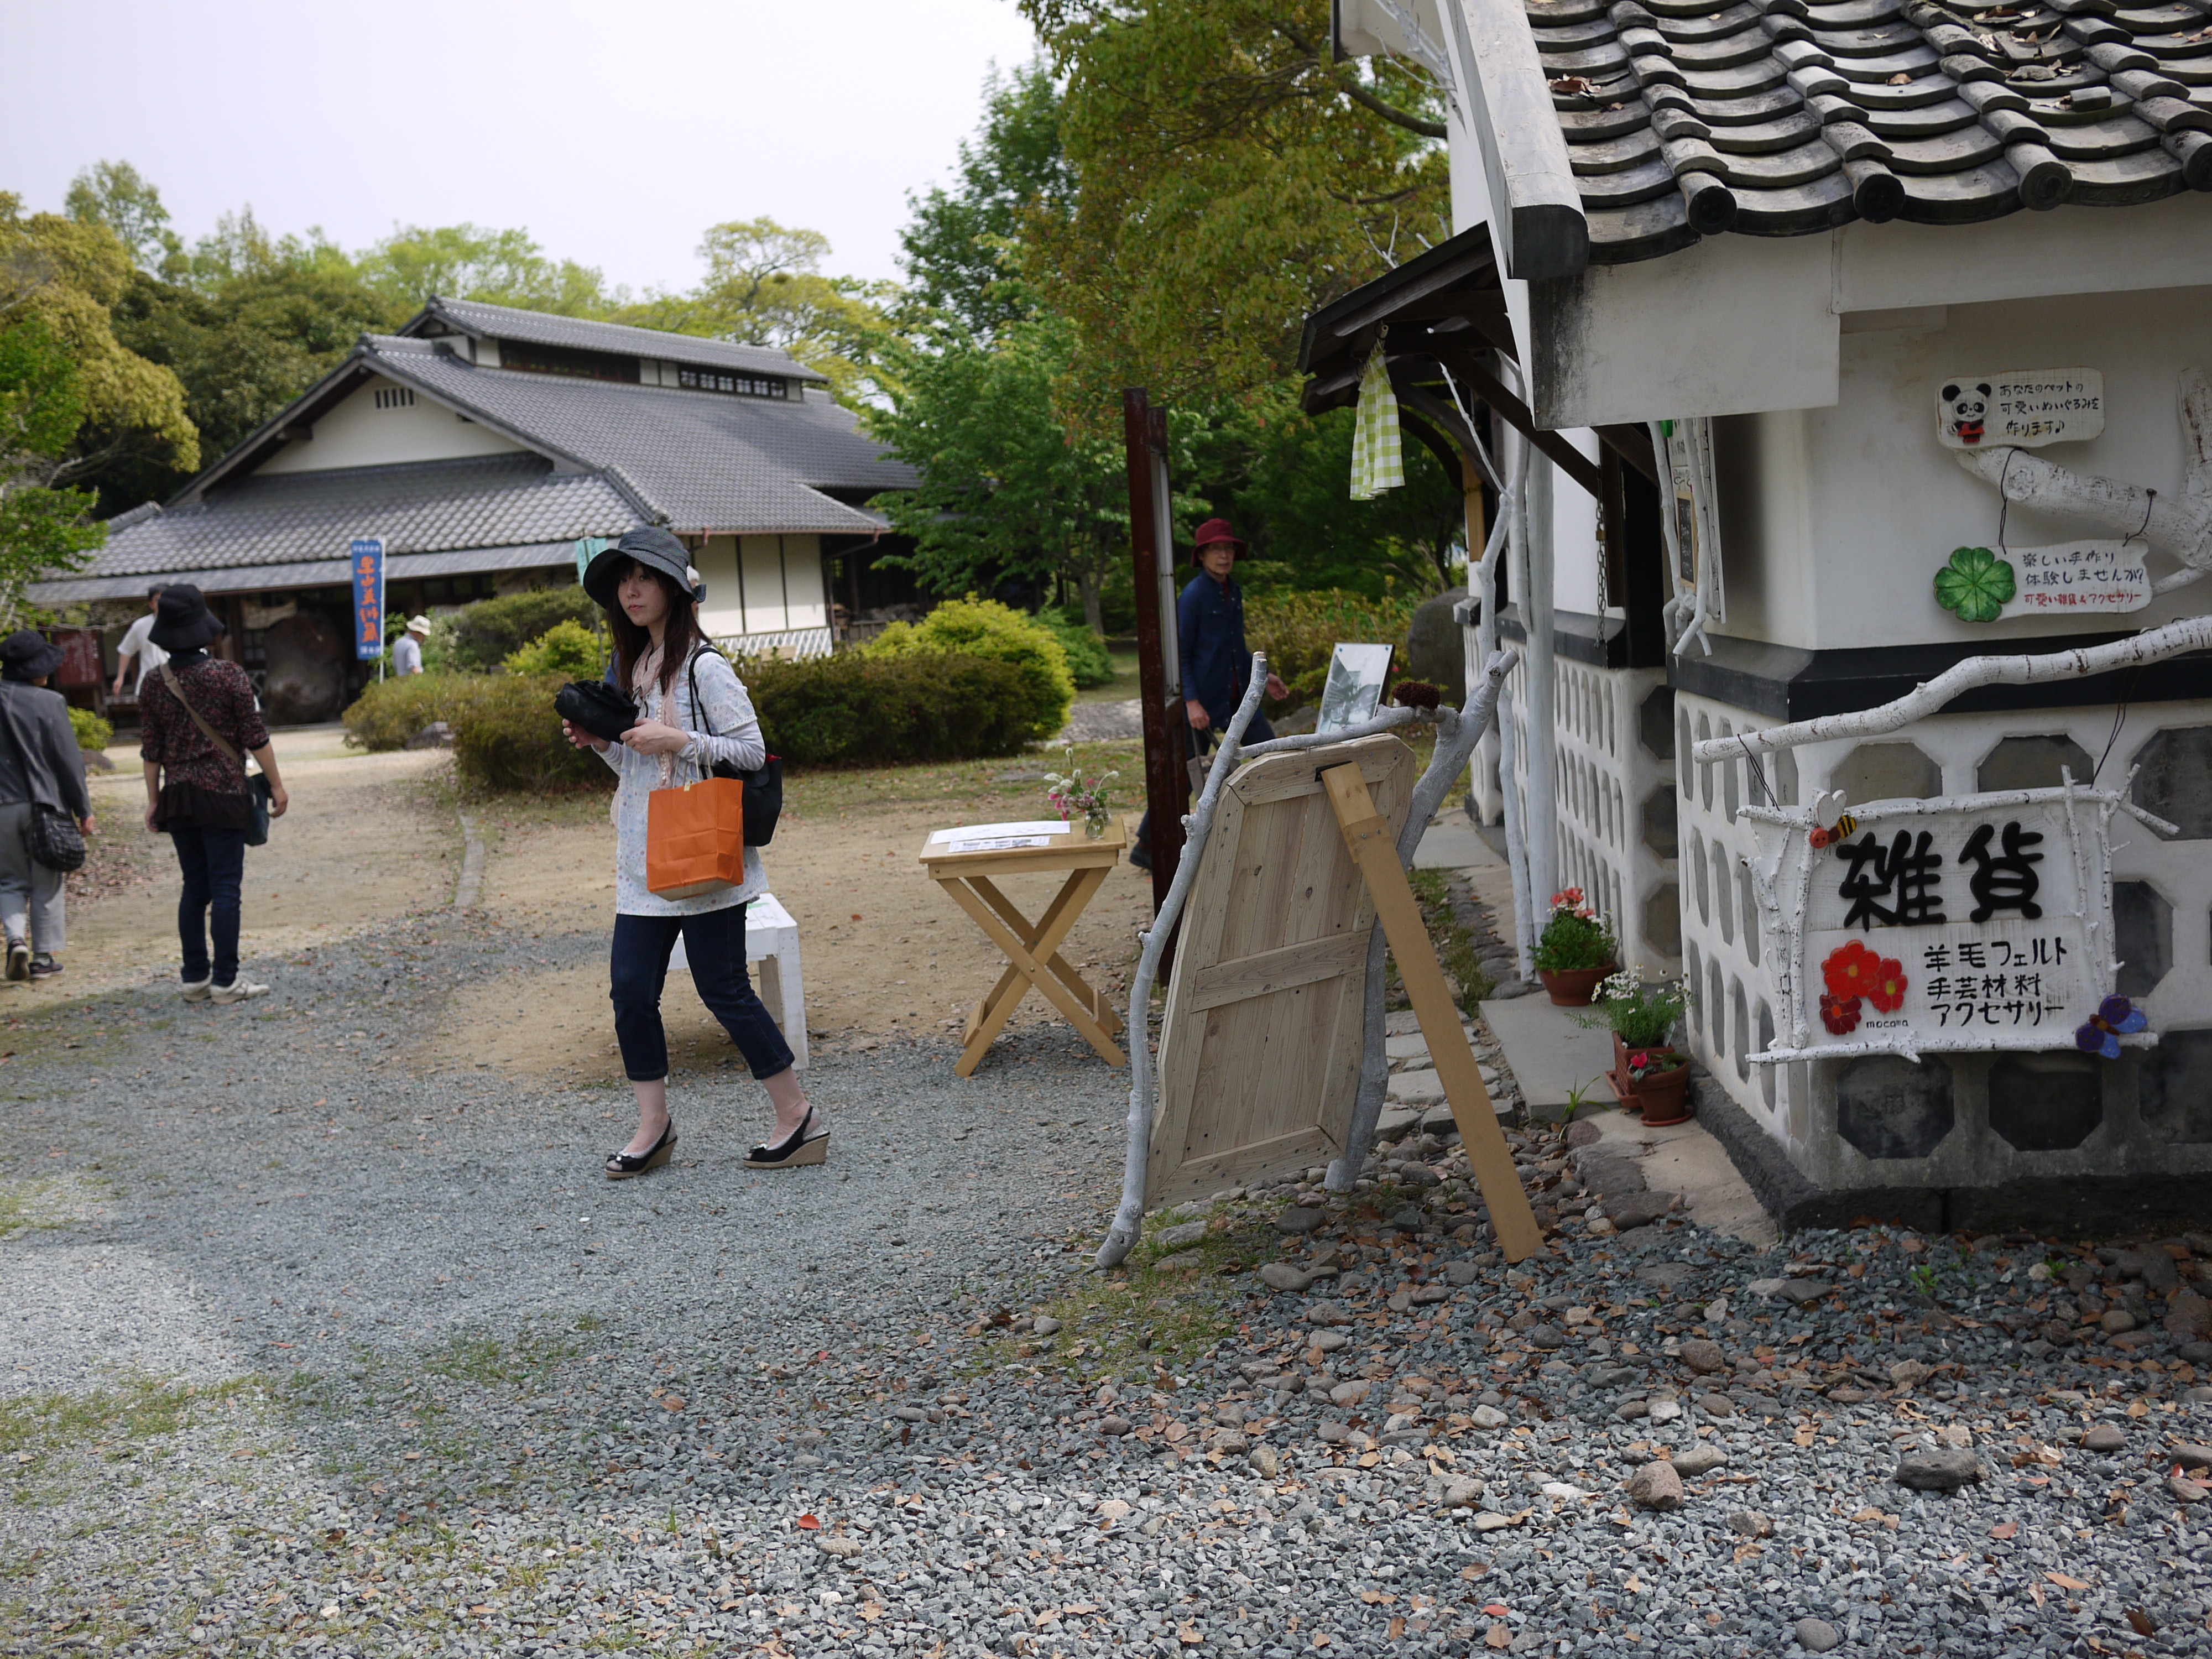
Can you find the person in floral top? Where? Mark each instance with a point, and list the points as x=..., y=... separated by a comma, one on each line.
x=196, y=787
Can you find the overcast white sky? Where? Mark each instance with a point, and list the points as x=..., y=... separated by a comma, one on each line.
x=615, y=134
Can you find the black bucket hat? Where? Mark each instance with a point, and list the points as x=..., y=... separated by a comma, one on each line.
x=28, y=654
x=648, y=545
x=182, y=621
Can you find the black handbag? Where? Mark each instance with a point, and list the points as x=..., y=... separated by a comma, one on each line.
x=595, y=706
x=764, y=797
x=54, y=839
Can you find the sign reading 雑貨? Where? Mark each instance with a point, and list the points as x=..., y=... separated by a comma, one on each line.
x=1982, y=921
x=367, y=559
x=2023, y=409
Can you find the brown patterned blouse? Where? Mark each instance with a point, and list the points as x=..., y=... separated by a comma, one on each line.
x=193, y=768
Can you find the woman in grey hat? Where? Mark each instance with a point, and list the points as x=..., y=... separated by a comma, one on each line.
x=40, y=765
x=696, y=716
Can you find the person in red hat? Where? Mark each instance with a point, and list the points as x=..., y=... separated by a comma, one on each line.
x=1216, y=665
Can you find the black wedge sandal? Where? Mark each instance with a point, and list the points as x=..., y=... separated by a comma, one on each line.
x=797, y=1150
x=620, y=1166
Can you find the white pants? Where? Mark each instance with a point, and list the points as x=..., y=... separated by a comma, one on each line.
x=30, y=897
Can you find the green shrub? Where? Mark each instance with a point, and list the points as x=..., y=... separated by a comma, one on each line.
x=1088, y=659
x=92, y=733
x=1300, y=630
x=568, y=648
x=905, y=705
x=984, y=628
x=389, y=712
x=507, y=737
x=479, y=637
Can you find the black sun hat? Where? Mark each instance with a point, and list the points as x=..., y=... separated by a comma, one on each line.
x=182, y=621
x=648, y=545
x=28, y=654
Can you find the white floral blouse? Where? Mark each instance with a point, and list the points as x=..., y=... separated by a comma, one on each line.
x=735, y=737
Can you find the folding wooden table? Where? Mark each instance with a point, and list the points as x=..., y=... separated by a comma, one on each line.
x=964, y=863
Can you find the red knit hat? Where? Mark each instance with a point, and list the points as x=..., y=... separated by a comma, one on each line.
x=1216, y=530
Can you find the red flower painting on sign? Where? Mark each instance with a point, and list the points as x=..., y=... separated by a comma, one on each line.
x=1839, y=1014
x=1852, y=971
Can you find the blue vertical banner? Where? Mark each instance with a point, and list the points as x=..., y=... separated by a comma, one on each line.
x=367, y=558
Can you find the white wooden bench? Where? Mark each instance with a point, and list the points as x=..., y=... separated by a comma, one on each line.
x=772, y=943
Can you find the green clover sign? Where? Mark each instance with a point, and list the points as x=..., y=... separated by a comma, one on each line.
x=1976, y=583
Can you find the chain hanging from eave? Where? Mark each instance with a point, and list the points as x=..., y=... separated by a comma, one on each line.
x=1421, y=49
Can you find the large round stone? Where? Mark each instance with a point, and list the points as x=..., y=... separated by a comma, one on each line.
x=1436, y=646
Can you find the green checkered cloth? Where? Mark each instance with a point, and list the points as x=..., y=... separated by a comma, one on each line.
x=1376, y=463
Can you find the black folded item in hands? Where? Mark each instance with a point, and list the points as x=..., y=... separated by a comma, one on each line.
x=595, y=706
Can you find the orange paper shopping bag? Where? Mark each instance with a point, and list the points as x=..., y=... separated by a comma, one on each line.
x=695, y=838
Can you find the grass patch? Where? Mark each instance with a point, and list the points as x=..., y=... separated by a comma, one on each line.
x=113, y=1419
x=51, y=1201
x=528, y=1358
x=1454, y=943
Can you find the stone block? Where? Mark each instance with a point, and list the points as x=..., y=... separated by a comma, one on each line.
x=2037, y=762
x=1436, y=646
x=1662, y=919
x=1660, y=833
x=2142, y=926
x=1888, y=1108
x=2176, y=1087
x=2175, y=778
x=1654, y=722
x=2046, y=1103
x=1887, y=771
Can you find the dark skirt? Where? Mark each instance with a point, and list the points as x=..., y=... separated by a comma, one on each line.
x=188, y=803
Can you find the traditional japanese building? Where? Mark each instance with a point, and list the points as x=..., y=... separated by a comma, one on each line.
x=1846, y=343
x=481, y=443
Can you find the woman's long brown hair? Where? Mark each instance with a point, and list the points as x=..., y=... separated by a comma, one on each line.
x=679, y=635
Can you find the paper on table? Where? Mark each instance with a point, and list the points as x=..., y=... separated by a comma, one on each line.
x=970, y=831
x=997, y=843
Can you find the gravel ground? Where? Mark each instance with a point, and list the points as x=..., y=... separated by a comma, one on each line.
x=306, y=1351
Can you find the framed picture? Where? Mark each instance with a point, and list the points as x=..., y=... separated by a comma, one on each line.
x=1357, y=675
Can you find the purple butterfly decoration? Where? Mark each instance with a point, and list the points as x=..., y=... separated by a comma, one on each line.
x=2115, y=1018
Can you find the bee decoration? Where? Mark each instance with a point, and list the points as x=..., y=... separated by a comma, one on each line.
x=1840, y=829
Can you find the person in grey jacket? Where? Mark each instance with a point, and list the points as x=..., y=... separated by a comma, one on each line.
x=40, y=765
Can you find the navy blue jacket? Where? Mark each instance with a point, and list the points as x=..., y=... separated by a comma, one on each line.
x=1216, y=667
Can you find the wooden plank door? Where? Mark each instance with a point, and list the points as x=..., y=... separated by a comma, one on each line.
x=1260, y=1047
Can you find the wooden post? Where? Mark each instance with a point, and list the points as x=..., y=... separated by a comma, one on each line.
x=1374, y=849
x=1164, y=784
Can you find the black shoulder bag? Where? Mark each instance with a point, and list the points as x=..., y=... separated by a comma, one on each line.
x=764, y=801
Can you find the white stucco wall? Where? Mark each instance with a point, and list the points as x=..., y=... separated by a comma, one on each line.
x=762, y=585
x=1835, y=519
x=358, y=433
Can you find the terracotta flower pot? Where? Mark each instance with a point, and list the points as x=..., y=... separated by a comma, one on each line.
x=1662, y=1098
x=1574, y=987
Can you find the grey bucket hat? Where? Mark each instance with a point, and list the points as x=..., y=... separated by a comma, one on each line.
x=648, y=545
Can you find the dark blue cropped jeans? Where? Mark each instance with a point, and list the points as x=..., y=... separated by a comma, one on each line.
x=213, y=864
x=714, y=945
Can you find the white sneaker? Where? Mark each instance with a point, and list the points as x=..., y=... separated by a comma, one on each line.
x=241, y=990
x=196, y=990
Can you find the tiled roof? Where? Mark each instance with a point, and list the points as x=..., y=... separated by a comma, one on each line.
x=542, y=328
x=314, y=573
x=1781, y=118
x=706, y=460
x=503, y=500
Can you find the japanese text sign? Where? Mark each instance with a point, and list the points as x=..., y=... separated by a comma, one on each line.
x=2078, y=579
x=367, y=562
x=2021, y=408
x=1980, y=922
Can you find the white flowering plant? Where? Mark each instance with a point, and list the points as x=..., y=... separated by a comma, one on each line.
x=1074, y=796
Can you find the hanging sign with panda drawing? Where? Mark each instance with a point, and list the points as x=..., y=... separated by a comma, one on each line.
x=2020, y=408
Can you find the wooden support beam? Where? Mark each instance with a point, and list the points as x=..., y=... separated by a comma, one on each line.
x=1554, y=445
x=1374, y=849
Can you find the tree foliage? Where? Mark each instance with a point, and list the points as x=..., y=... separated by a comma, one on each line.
x=115, y=194
x=764, y=287
x=955, y=247
x=476, y=262
x=1232, y=179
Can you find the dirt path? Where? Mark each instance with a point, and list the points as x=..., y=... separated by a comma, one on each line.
x=364, y=841
x=885, y=951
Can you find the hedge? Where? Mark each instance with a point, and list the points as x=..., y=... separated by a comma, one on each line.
x=1088, y=659
x=505, y=735
x=389, y=712
x=984, y=628
x=482, y=635
x=862, y=707
x=1300, y=630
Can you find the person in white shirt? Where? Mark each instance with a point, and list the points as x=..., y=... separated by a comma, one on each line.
x=150, y=655
x=407, y=649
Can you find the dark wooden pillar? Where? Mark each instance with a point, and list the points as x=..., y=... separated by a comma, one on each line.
x=1166, y=785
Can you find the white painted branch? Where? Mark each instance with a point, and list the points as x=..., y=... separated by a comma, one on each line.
x=1129, y=1218
x=1389, y=719
x=1933, y=1045
x=1880, y=812
x=1455, y=748
x=2152, y=645
x=1539, y=808
x=2180, y=525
